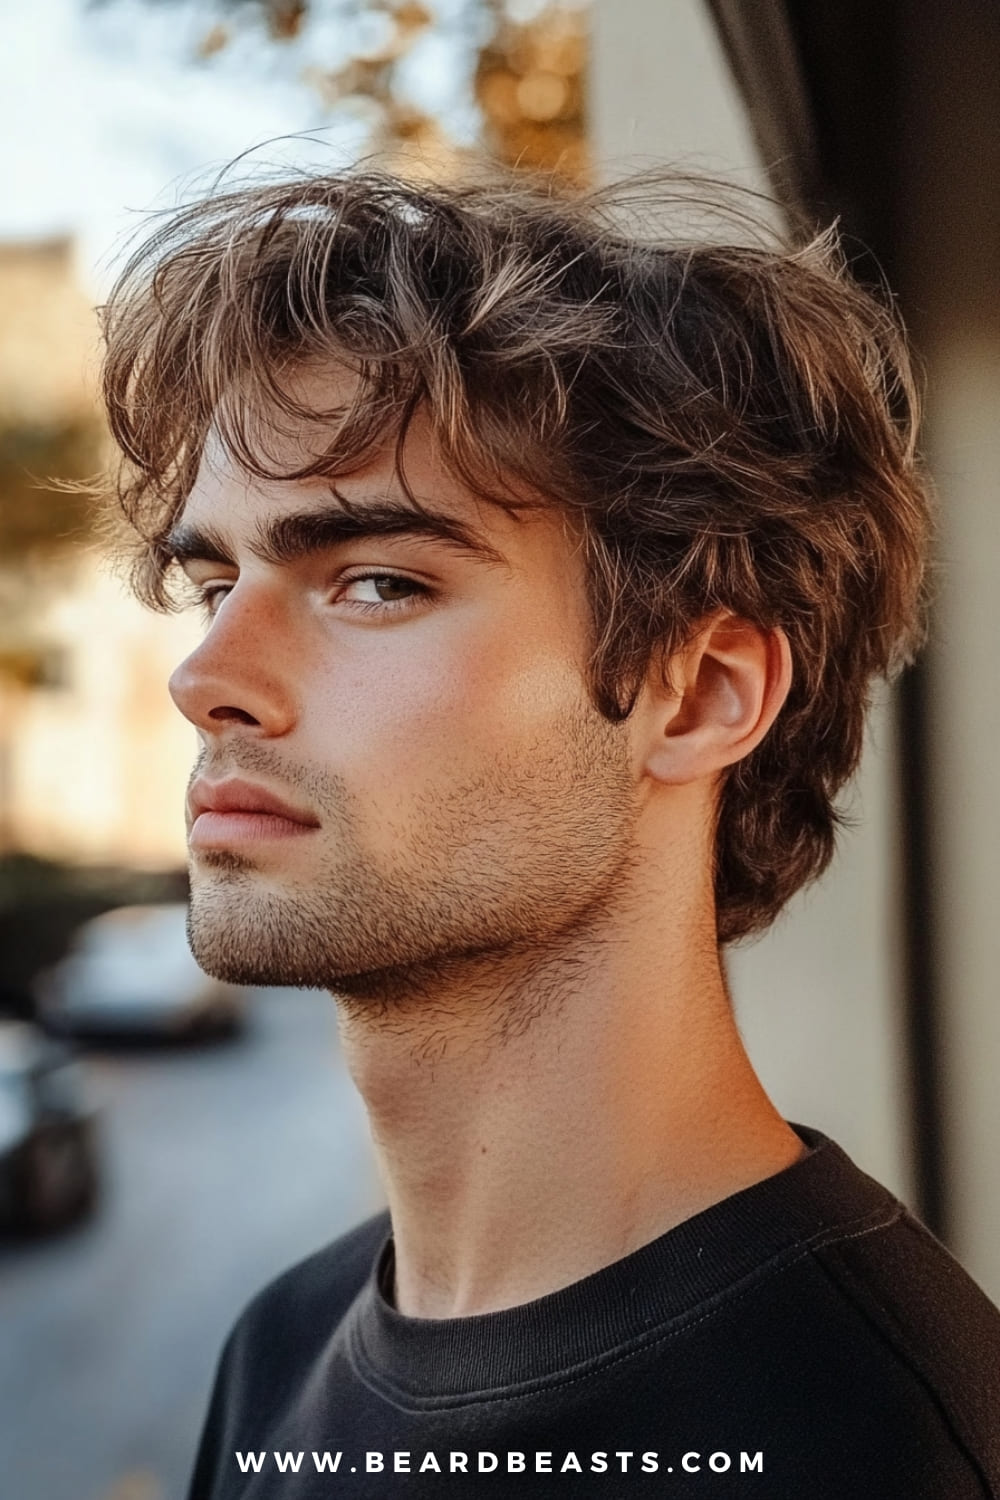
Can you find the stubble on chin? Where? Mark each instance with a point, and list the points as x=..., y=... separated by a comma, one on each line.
x=485, y=873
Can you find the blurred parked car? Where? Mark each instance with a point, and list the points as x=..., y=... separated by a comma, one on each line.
x=130, y=973
x=48, y=1142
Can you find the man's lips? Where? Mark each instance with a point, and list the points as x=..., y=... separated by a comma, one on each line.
x=224, y=812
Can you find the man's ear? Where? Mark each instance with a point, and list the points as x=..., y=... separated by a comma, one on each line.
x=723, y=692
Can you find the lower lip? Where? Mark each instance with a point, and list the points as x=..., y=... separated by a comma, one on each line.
x=210, y=830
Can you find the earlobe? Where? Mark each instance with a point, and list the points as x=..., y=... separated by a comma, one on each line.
x=728, y=686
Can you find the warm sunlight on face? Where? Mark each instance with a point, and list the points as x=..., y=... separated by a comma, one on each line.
x=400, y=764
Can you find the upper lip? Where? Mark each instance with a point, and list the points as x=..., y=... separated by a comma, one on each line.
x=242, y=796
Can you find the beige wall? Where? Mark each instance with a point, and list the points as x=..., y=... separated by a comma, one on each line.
x=48, y=334
x=818, y=998
x=950, y=271
x=965, y=678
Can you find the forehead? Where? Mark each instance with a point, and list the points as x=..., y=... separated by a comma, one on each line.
x=228, y=493
x=412, y=478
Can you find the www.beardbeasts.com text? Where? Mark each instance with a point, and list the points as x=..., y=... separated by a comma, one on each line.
x=542, y=1461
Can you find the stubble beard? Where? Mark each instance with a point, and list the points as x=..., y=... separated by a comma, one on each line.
x=493, y=870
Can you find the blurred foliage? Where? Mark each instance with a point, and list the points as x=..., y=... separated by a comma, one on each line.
x=43, y=902
x=40, y=525
x=529, y=84
x=527, y=76
x=27, y=880
x=35, y=515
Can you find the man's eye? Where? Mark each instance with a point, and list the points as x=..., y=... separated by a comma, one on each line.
x=391, y=592
x=211, y=595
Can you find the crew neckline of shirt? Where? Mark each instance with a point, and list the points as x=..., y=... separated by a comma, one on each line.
x=433, y=1362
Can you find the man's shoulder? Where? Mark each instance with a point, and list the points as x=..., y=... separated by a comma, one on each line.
x=309, y=1297
x=833, y=1330
x=279, y=1331
x=932, y=1319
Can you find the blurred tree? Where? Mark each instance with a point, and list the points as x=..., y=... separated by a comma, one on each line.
x=49, y=432
x=37, y=517
x=40, y=526
x=49, y=427
x=530, y=86
x=527, y=73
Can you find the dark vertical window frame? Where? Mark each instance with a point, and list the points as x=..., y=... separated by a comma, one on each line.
x=821, y=85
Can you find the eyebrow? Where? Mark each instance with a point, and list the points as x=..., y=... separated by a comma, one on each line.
x=289, y=538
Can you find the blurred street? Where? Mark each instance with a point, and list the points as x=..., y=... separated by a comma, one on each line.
x=223, y=1164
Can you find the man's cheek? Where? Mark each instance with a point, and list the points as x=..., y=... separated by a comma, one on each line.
x=427, y=710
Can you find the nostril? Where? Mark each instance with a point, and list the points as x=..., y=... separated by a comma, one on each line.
x=228, y=714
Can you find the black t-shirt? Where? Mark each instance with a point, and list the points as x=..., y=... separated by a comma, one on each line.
x=804, y=1339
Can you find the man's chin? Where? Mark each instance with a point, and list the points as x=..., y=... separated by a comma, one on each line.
x=237, y=934
x=252, y=968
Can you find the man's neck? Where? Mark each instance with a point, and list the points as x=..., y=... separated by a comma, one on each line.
x=544, y=1119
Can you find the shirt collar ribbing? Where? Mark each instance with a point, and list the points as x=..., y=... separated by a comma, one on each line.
x=439, y=1362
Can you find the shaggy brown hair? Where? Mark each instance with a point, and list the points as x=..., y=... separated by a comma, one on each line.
x=733, y=424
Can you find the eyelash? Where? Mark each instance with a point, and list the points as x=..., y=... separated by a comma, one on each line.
x=209, y=594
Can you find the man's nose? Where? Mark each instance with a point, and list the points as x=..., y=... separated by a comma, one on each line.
x=233, y=676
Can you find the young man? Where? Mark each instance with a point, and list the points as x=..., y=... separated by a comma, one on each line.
x=547, y=572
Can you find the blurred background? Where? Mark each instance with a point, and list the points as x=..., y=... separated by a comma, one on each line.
x=167, y=1144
